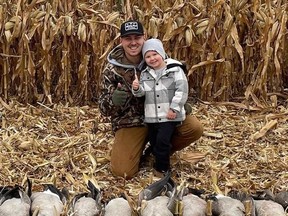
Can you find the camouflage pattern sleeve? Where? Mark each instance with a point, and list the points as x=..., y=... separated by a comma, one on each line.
x=107, y=86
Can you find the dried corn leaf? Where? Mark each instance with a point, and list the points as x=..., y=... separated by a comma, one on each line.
x=271, y=124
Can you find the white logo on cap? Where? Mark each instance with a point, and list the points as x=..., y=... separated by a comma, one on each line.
x=131, y=26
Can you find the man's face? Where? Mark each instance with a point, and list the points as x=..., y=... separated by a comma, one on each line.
x=132, y=44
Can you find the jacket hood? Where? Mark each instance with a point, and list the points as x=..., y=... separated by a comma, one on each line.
x=117, y=57
x=172, y=61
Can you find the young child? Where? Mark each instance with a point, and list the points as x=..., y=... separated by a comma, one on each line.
x=166, y=91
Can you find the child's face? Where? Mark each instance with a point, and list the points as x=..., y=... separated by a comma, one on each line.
x=154, y=60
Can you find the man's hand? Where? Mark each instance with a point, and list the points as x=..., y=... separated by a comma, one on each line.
x=119, y=96
x=188, y=108
x=135, y=84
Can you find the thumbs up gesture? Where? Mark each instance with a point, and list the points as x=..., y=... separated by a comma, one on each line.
x=135, y=84
x=119, y=96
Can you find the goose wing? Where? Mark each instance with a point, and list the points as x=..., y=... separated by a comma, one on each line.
x=282, y=198
x=156, y=188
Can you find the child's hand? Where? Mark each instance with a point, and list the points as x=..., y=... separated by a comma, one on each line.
x=135, y=84
x=171, y=114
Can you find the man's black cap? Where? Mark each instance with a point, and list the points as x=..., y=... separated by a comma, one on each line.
x=131, y=27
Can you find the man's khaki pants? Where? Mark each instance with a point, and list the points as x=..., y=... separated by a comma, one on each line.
x=129, y=144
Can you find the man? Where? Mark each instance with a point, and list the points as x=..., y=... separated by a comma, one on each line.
x=126, y=111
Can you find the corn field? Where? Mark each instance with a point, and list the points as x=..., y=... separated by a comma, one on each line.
x=55, y=50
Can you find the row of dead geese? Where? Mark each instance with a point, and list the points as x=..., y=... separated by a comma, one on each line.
x=161, y=198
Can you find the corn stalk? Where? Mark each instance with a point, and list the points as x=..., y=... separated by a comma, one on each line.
x=233, y=49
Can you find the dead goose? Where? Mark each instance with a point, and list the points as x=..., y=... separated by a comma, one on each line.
x=156, y=207
x=162, y=205
x=280, y=197
x=118, y=206
x=246, y=199
x=87, y=204
x=154, y=202
x=193, y=204
x=14, y=201
x=269, y=207
x=266, y=204
x=227, y=206
x=48, y=202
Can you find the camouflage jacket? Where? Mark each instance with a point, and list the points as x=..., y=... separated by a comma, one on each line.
x=119, y=70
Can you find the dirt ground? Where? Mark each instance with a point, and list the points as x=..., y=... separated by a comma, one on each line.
x=241, y=149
